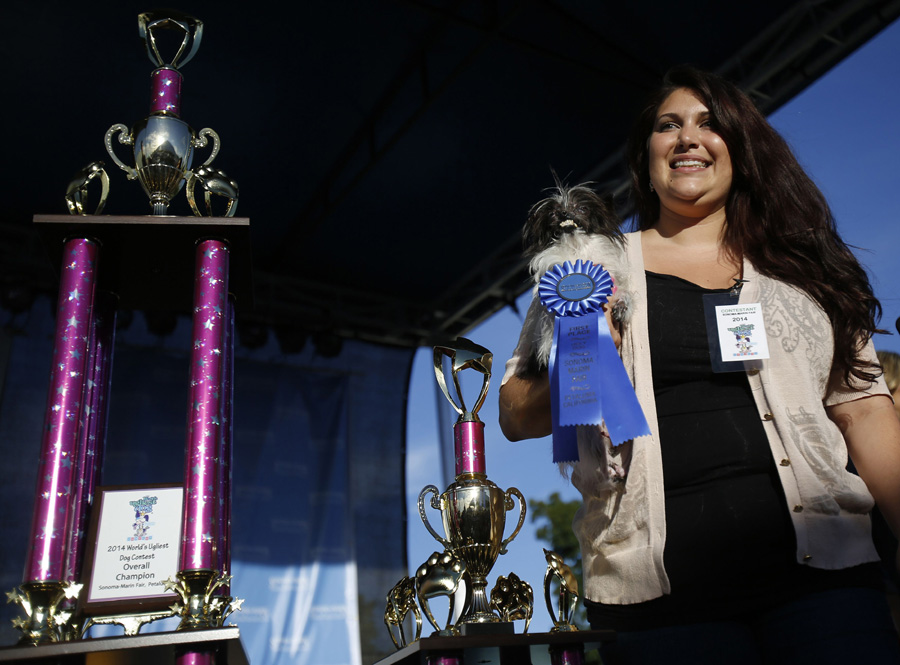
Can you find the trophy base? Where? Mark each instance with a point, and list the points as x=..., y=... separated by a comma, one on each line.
x=200, y=607
x=49, y=618
x=495, y=628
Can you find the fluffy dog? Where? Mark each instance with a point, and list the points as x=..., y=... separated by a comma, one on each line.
x=572, y=223
x=576, y=223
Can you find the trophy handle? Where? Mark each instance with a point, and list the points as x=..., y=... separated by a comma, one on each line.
x=431, y=489
x=548, y=576
x=201, y=141
x=212, y=182
x=442, y=382
x=125, y=138
x=77, y=191
x=508, y=504
x=191, y=178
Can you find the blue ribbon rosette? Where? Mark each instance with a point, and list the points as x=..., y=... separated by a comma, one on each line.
x=588, y=383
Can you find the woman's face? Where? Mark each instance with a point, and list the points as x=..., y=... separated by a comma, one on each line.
x=690, y=168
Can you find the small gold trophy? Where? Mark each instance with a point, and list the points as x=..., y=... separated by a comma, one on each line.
x=473, y=509
x=568, y=593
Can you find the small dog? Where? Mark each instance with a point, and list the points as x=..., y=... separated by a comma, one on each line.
x=573, y=223
x=576, y=223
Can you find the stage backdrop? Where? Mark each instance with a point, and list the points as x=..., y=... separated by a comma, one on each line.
x=318, y=476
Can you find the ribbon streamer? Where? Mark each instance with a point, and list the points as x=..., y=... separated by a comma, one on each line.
x=588, y=383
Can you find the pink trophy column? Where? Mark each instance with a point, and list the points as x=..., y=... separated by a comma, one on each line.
x=195, y=658
x=567, y=655
x=444, y=659
x=165, y=97
x=468, y=443
x=223, y=469
x=205, y=418
x=65, y=406
x=92, y=436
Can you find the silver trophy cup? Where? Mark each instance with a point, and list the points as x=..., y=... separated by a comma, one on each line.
x=163, y=149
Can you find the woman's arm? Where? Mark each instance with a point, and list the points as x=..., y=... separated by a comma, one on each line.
x=872, y=431
x=525, y=407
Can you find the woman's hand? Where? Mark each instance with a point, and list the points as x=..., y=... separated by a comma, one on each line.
x=611, y=322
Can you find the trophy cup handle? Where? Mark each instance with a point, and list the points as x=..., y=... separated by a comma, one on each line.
x=125, y=138
x=431, y=489
x=508, y=504
x=201, y=141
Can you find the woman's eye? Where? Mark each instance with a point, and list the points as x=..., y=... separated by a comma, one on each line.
x=666, y=126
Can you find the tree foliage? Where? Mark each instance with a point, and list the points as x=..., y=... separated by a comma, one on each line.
x=557, y=530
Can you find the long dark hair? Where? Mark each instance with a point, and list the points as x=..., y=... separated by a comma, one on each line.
x=775, y=215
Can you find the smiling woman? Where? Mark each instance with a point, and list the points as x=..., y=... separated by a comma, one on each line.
x=734, y=532
x=776, y=216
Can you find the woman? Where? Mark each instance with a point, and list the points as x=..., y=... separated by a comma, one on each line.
x=737, y=535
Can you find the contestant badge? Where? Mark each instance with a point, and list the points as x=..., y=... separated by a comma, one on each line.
x=741, y=332
x=588, y=384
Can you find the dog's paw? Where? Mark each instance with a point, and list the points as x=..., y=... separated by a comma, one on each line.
x=621, y=309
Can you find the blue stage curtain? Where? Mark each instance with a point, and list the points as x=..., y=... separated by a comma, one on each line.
x=319, y=522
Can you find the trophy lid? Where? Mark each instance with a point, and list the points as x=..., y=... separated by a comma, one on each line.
x=151, y=26
x=464, y=354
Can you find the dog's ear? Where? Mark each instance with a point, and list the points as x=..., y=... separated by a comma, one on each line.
x=606, y=209
x=598, y=212
x=536, y=234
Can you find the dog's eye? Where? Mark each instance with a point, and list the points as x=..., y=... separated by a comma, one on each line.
x=581, y=210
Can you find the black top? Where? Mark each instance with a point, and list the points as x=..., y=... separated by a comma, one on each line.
x=730, y=546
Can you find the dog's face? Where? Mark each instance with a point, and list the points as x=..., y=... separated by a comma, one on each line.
x=576, y=209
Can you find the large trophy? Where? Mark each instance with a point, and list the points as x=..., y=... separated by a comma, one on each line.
x=473, y=509
x=74, y=430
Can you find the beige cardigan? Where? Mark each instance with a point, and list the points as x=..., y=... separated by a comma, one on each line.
x=622, y=526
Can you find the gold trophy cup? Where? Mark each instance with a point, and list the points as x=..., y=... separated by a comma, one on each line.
x=473, y=509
